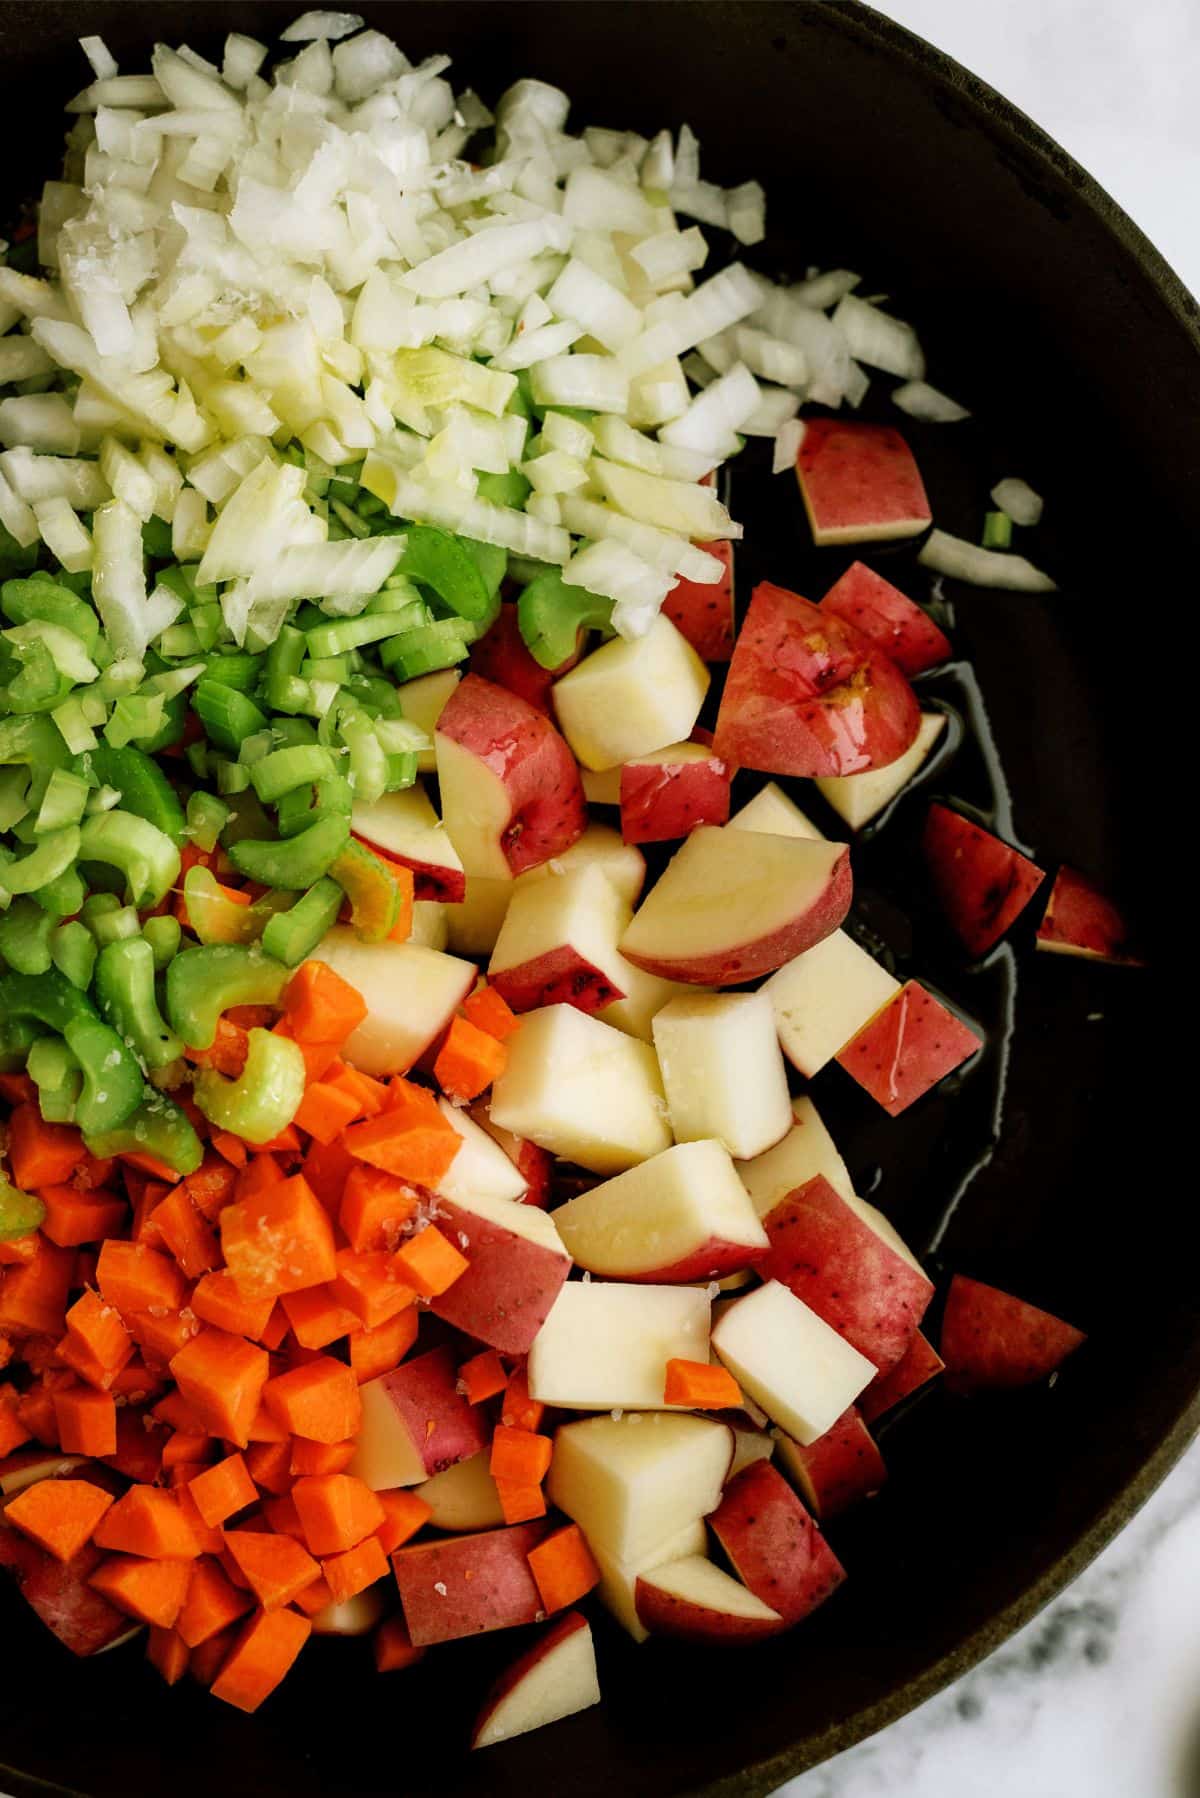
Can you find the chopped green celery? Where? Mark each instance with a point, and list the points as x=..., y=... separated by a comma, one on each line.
x=396, y=593
x=140, y=715
x=103, y=799
x=337, y=669
x=124, y=988
x=283, y=770
x=375, y=694
x=156, y=540
x=375, y=892
x=345, y=491
x=14, y=783
x=234, y=669
x=295, y=863
x=511, y=489
x=402, y=770
x=17, y=559
x=48, y=602
x=368, y=758
x=55, y=852
x=351, y=522
x=178, y=580
x=206, y=621
x=424, y=651
x=63, y=802
x=33, y=681
x=73, y=726
x=256, y=747
x=73, y=951
x=550, y=615
x=58, y=1077
x=179, y=640
x=63, y=897
x=108, y=920
x=292, y=935
x=369, y=506
x=157, y=1127
x=207, y=817
x=445, y=564
x=16, y=1037
x=213, y=916
x=228, y=716
x=284, y=691
x=169, y=683
x=144, y=788
x=341, y=634
x=303, y=806
x=287, y=732
x=20, y=1212
x=25, y=937
x=145, y=855
x=119, y=680
x=246, y=817
x=65, y=649
x=202, y=983
x=997, y=530
x=264, y=1098
x=164, y=935
x=112, y=1079
x=232, y=777
x=491, y=561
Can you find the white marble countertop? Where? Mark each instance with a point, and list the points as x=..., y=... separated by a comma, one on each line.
x=1099, y=1697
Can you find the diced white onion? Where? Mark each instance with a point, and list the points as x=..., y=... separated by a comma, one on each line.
x=823, y=291
x=693, y=511
x=592, y=383
x=39, y=421
x=571, y=435
x=771, y=357
x=663, y=550
x=717, y=413
x=921, y=401
x=613, y=571
x=104, y=63
x=788, y=439
x=35, y=477
x=775, y=406
x=320, y=25
x=604, y=312
x=670, y=253
x=548, y=342
x=119, y=578
x=747, y=210
x=351, y=569
x=879, y=340
x=64, y=535
x=1018, y=499
x=964, y=561
x=16, y=516
x=724, y=300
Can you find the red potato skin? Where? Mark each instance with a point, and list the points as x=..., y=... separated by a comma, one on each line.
x=444, y=1427
x=559, y=977
x=505, y=1296
x=920, y=1364
x=837, y=1265
x=552, y=1637
x=704, y=615
x=982, y=884
x=993, y=1342
x=662, y=800
x=859, y=480
x=665, y=1615
x=430, y=879
x=907, y=1048
x=531, y=1161
x=773, y=1545
x=711, y=1260
x=524, y=751
x=58, y=1591
x=487, y=1580
x=807, y=694
x=839, y=1468
x=500, y=656
x=1081, y=920
x=889, y=618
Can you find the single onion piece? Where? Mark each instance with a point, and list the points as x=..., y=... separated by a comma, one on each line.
x=978, y=567
x=1018, y=499
x=921, y=401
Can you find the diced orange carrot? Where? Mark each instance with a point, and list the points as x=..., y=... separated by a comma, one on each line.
x=73, y=1217
x=319, y=1057
x=370, y=1095
x=98, y=1329
x=33, y=1297
x=314, y=1599
x=86, y=1421
x=261, y=1171
x=13, y=1431
x=519, y=1411
x=337, y=1512
x=700, y=1385
x=174, y=1411
x=41, y=1154
x=147, y=1521
x=94, y=1171
x=72, y=1353
x=519, y=1456
x=320, y=1006
x=269, y=1465
x=276, y=1330
x=410, y=1139
x=220, y=1492
x=151, y=1165
x=277, y=1567
x=492, y=1014
x=19, y=1251
x=254, y=1017
x=208, y=1539
x=167, y=1652
x=326, y=1167
x=138, y=1453
x=377, y=1351
x=430, y=1262
x=205, y=1662
x=404, y=1515
x=317, y=1318
x=288, y=1142
x=371, y=1286
x=219, y=1300
x=17, y=1089
x=132, y=1277
x=151, y=1591
x=60, y=1515
x=319, y=1401
x=182, y=1450
x=483, y=1376
x=325, y=1111
x=520, y=1503
x=352, y=1572
x=261, y=1657
x=228, y=1053
x=279, y=1241
x=313, y=1458
x=468, y=1060
x=563, y=1568
x=222, y=1378
x=36, y=1415
x=213, y=1602
x=375, y=1207
x=281, y=1515
x=265, y=1429
x=210, y=1188
x=147, y=1197
x=160, y=1337
x=393, y=1646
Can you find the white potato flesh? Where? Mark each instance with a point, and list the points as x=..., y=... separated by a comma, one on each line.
x=413, y=993
x=787, y=1358
x=605, y=1346
x=857, y=798
x=473, y=924
x=629, y=698
x=696, y=1581
x=579, y=909
x=723, y=1071
x=806, y=1151
x=548, y=1686
x=423, y=701
x=481, y=1169
x=824, y=997
x=645, y=996
x=631, y=1483
x=773, y=812
x=463, y=1497
x=405, y=825
x=619, y=1578
x=602, y=847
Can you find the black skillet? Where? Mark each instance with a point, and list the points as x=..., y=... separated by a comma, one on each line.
x=1074, y=344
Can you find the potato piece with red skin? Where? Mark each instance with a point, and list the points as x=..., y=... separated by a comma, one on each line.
x=892, y=621
x=516, y=1267
x=695, y=1601
x=58, y=1592
x=982, y=884
x=773, y=1545
x=808, y=694
x=921, y=1363
x=859, y=482
x=704, y=613
x=837, y=1469
x=1081, y=920
x=502, y=657
x=993, y=1342
x=554, y=1678
x=468, y=1585
x=907, y=1047
x=667, y=794
x=416, y=1423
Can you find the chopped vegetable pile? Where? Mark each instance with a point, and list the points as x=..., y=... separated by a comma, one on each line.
x=406, y=1222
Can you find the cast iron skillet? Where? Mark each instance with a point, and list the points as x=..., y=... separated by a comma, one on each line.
x=1051, y=316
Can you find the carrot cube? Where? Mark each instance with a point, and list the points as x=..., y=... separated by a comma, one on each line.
x=74, y=1217
x=468, y=1060
x=222, y=1378
x=320, y=1006
x=483, y=1376
x=220, y=1301
x=186, y=1233
x=222, y=1491
x=430, y=1262
x=319, y=1401
x=371, y=1287
x=213, y=1602
x=167, y=1651
x=132, y=1277
x=377, y=1351
x=701, y=1386
x=375, y=1207
x=520, y=1502
x=310, y=1459
x=325, y=1111
x=404, y=1515
x=489, y=1012
x=261, y=1657
x=279, y=1241
x=97, y=1328
x=563, y=1567
x=33, y=1297
x=61, y=1516
x=277, y=1567
x=151, y=1591
x=352, y=1572
x=41, y=1154
x=317, y=1318
x=337, y=1512
x=86, y=1421
x=519, y=1456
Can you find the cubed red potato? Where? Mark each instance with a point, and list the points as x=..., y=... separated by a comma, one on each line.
x=415, y=1422
x=553, y=1678
x=516, y=1265
x=695, y=1601
x=668, y=793
x=837, y=1469
x=982, y=884
x=534, y=1164
x=704, y=613
x=403, y=827
x=892, y=621
x=860, y=483
x=907, y=1047
x=921, y=1363
x=558, y=943
x=500, y=656
x=510, y=788
x=808, y=694
x=847, y=1263
x=1081, y=920
x=467, y=1585
x=992, y=1341
x=773, y=1545
x=59, y=1593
